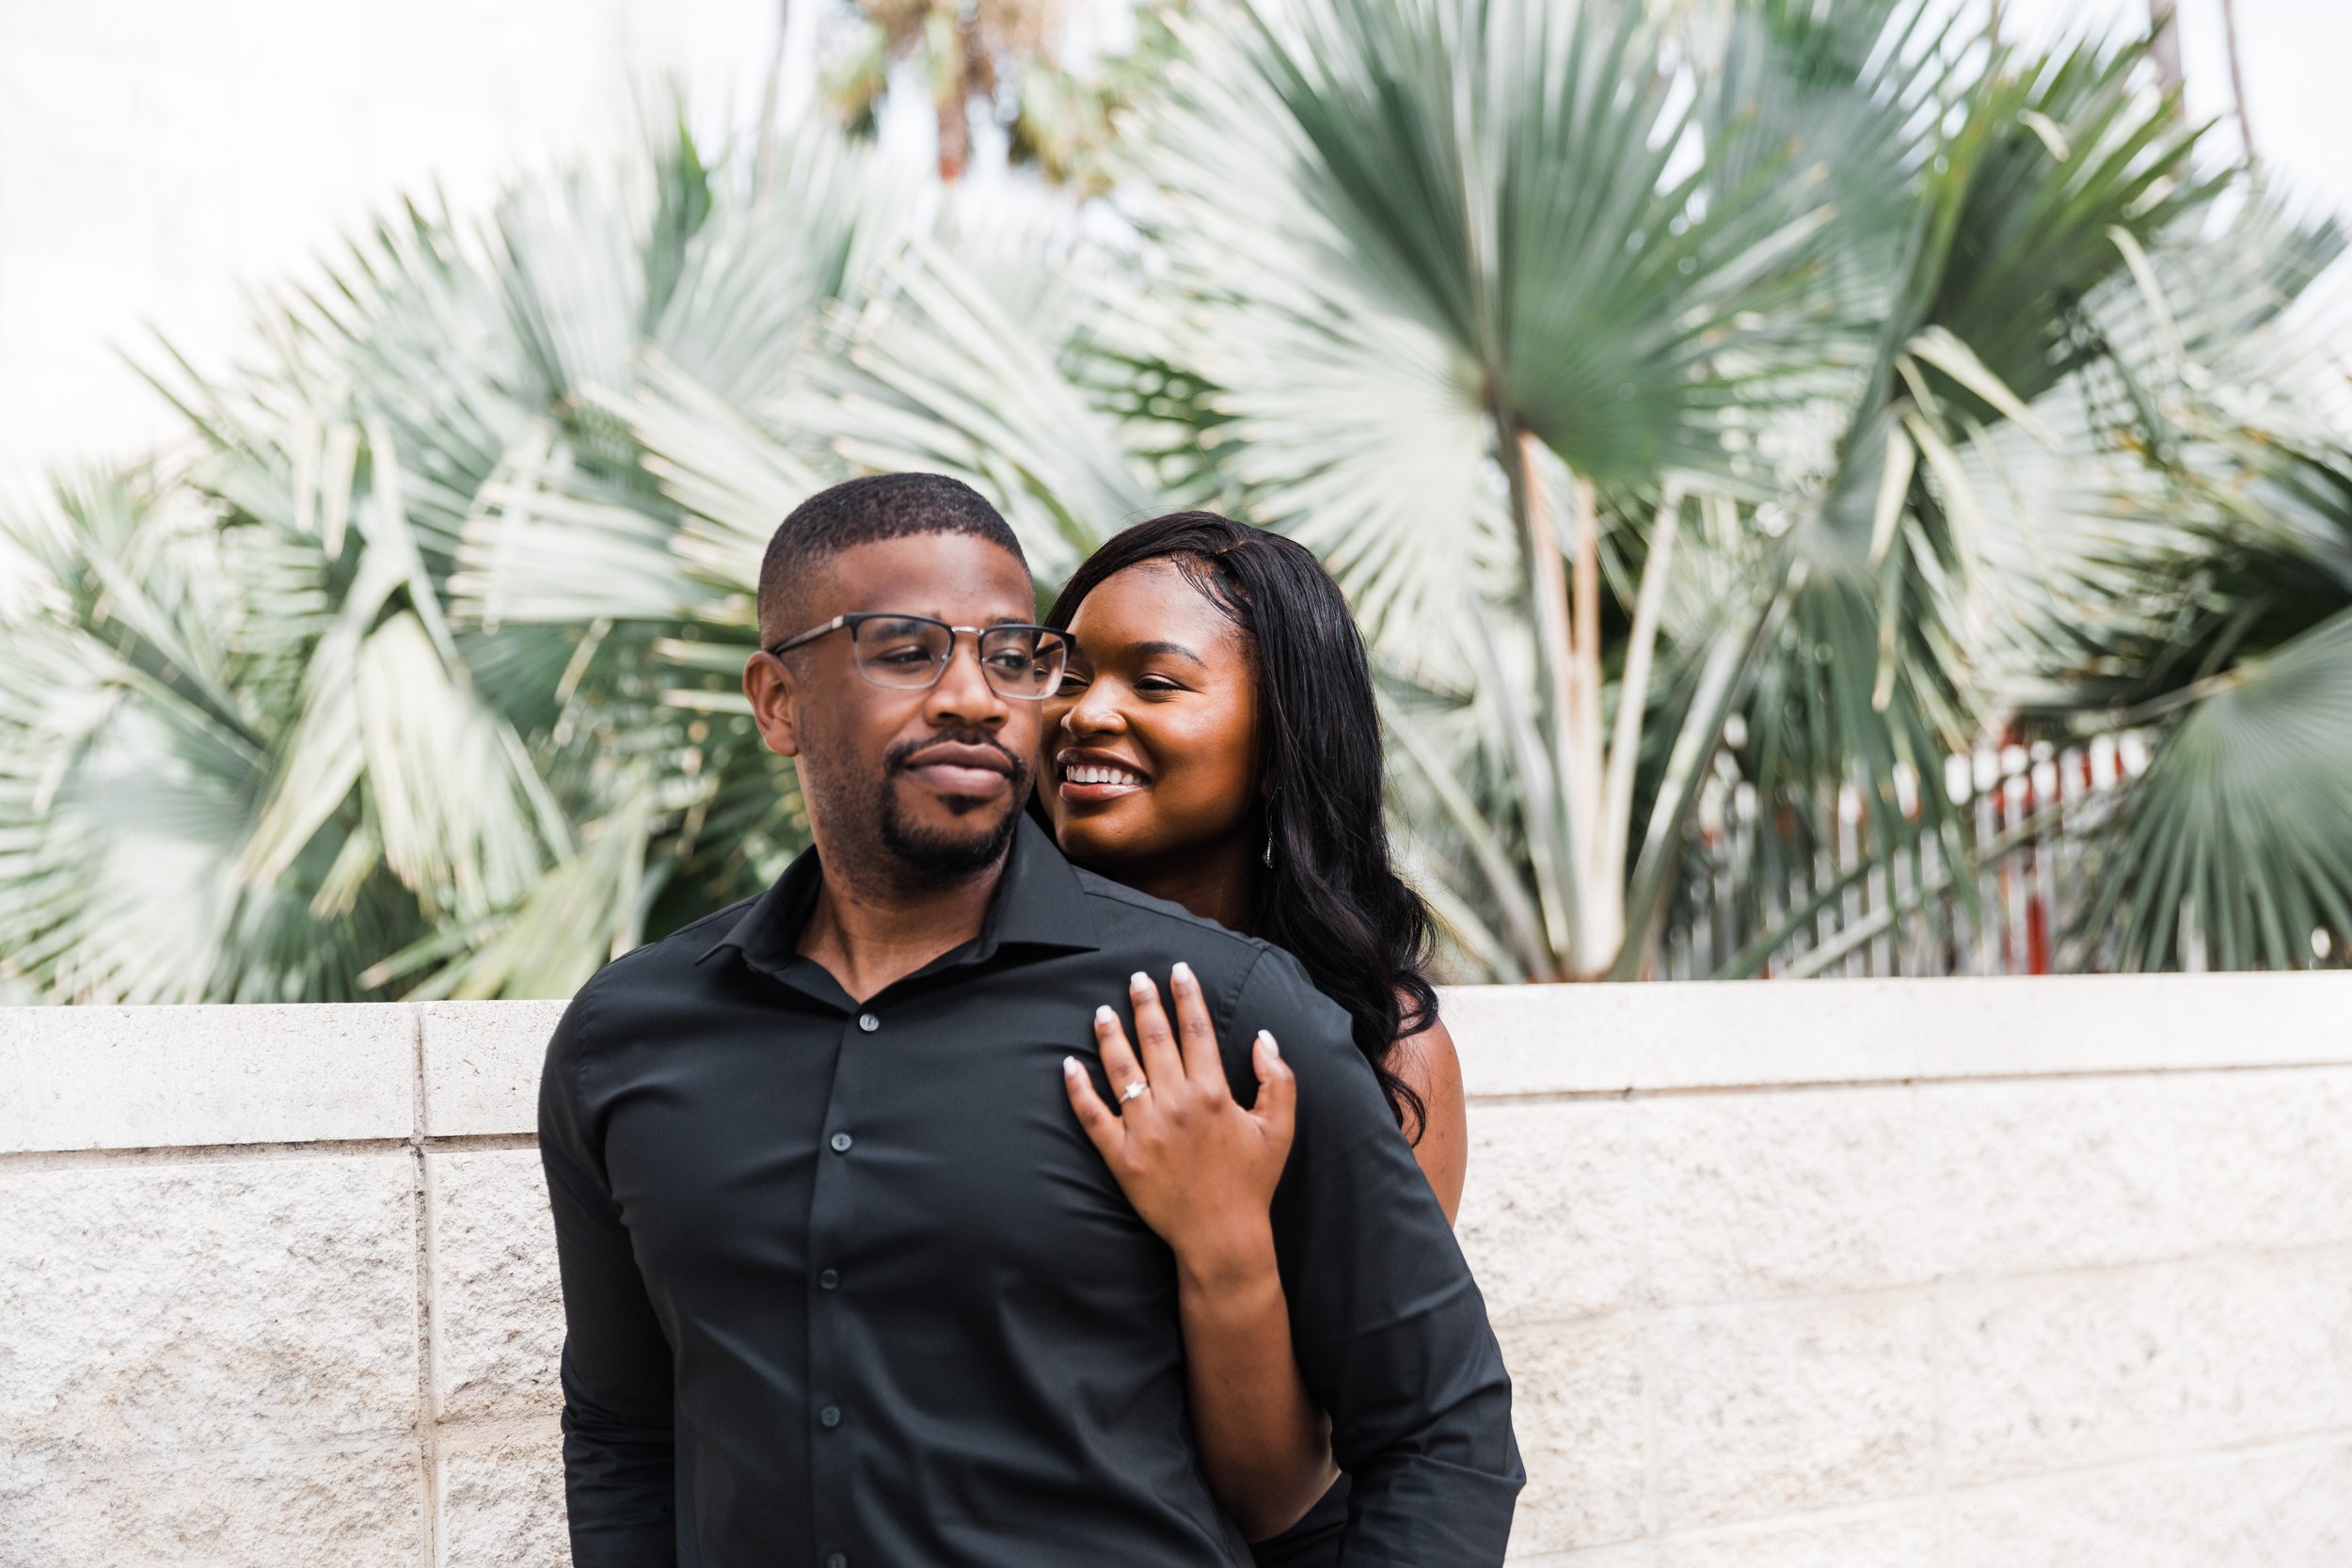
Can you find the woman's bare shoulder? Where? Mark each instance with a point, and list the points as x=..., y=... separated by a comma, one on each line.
x=1425, y=1059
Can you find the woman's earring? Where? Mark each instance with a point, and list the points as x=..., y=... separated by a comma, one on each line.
x=1269, y=848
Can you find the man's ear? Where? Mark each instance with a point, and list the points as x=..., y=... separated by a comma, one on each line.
x=769, y=683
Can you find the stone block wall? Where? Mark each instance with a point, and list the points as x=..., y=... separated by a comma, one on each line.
x=1839, y=1274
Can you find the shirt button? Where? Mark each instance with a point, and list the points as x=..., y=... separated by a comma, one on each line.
x=828, y=1279
x=868, y=1022
x=830, y=1416
x=841, y=1142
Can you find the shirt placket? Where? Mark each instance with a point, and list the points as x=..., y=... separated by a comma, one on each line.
x=831, y=1391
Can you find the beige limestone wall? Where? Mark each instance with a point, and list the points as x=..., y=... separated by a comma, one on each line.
x=1870, y=1275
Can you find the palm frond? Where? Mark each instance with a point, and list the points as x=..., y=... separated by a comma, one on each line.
x=2235, y=850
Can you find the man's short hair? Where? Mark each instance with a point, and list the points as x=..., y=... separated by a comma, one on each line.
x=860, y=512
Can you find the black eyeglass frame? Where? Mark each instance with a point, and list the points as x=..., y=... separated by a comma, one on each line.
x=1059, y=640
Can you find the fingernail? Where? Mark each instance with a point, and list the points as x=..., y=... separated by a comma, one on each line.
x=1271, y=1049
x=1104, y=1015
x=1138, y=980
x=1182, y=971
x=1070, y=1067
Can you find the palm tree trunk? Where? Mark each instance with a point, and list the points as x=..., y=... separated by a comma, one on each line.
x=955, y=139
x=1567, y=628
x=1600, y=898
x=2238, y=78
x=770, y=92
x=973, y=78
x=1624, y=741
x=2164, y=44
x=1555, y=647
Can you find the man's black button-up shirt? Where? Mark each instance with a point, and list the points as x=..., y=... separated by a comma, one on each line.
x=847, y=1286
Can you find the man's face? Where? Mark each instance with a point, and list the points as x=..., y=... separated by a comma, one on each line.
x=910, y=786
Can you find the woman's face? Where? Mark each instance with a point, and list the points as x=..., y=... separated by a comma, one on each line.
x=1151, y=743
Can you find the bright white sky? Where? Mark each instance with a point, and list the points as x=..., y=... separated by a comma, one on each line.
x=2293, y=55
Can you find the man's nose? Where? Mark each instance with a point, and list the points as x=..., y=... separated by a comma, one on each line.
x=963, y=691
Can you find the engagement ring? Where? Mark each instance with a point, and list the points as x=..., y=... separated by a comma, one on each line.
x=1133, y=1091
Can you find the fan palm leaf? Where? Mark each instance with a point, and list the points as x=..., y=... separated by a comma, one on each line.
x=2227, y=633
x=2045, y=162
x=430, y=747
x=132, y=755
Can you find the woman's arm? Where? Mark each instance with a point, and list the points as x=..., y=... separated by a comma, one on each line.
x=1201, y=1172
x=1265, y=1448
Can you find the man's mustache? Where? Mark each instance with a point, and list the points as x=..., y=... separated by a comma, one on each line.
x=908, y=753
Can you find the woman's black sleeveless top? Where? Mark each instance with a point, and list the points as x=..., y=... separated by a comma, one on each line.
x=1311, y=1543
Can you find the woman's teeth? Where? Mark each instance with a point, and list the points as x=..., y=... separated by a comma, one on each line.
x=1096, y=774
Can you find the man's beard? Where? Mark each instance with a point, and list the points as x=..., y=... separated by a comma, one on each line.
x=934, y=853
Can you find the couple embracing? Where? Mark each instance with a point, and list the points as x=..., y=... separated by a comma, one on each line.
x=1053, y=1184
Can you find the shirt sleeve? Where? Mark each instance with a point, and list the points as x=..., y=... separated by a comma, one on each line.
x=1391, y=1334
x=618, y=1427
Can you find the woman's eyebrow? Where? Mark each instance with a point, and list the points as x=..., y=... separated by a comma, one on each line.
x=1175, y=650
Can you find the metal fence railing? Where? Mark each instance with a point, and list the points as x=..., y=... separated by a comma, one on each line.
x=2004, y=905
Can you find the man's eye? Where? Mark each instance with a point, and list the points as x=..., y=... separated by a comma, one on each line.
x=907, y=654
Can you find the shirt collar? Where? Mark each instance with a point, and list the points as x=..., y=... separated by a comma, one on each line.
x=1039, y=906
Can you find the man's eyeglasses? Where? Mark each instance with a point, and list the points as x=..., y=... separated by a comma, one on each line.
x=912, y=652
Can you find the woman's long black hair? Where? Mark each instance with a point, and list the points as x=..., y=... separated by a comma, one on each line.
x=1332, y=898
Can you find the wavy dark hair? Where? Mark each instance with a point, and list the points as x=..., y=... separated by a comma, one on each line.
x=1332, y=899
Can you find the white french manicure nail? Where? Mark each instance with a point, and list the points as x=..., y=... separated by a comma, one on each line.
x=1182, y=971
x=1104, y=1015
x=1271, y=1049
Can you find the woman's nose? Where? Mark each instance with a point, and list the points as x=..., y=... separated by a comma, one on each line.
x=1095, y=712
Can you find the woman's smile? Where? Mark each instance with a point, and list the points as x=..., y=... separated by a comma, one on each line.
x=1090, y=778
